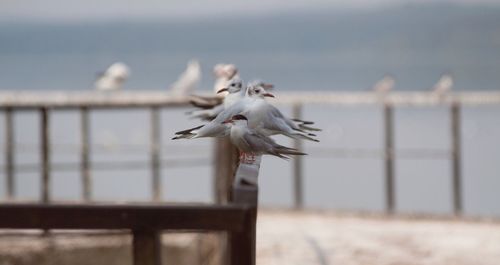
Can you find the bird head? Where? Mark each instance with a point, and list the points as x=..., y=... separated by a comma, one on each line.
x=236, y=119
x=233, y=86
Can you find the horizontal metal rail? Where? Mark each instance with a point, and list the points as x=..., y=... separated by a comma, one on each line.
x=141, y=99
x=113, y=165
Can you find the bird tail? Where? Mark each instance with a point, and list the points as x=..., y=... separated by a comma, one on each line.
x=304, y=125
x=186, y=134
x=301, y=136
x=283, y=151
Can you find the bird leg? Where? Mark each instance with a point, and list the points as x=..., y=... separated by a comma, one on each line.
x=247, y=158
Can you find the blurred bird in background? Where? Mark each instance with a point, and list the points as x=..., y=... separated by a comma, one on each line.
x=188, y=81
x=384, y=85
x=113, y=78
x=443, y=86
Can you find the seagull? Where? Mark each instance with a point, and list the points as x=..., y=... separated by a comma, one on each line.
x=252, y=142
x=223, y=74
x=384, y=85
x=443, y=85
x=269, y=120
x=113, y=78
x=263, y=117
x=234, y=91
x=188, y=80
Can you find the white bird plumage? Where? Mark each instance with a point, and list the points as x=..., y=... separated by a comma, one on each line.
x=113, y=78
x=251, y=141
x=188, y=80
x=262, y=117
x=384, y=85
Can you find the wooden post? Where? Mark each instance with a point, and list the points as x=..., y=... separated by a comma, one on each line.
x=389, y=158
x=226, y=160
x=297, y=164
x=85, y=154
x=9, y=154
x=146, y=247
x=155, y=146
x=45, y=154
x=242, y=244
x=456, y=158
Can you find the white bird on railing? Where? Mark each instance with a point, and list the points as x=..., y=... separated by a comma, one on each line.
x=113, y=78
x=443, y=85
x=234, y=92
x=223, y=74
x=252, y=142
x=384, y=85
x=188, y=80
x=262, y=116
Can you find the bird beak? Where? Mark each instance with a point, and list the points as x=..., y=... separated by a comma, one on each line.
x=267, y=86
x=268, y=95
x=222, y=90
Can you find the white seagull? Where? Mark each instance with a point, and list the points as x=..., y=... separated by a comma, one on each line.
x=188, y=80
x=443, y=85
x=252, y=142
x=113, y=78
x=234, y=92
x=262, y=117
x=384, y=85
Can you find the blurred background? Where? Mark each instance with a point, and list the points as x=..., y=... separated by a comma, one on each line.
x=299, y=46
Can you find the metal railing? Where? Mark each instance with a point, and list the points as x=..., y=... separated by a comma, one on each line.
x=155, y=101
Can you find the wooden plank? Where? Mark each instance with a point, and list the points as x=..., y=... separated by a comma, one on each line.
x=85, y=154
x=9, y=154
x=456, y=158
x=297, y=164
x=45, y=154
x=155, y=146
x=113, y=216
x=146, y=245
x=389, y=158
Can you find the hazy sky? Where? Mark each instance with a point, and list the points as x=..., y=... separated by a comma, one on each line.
x=175, y=9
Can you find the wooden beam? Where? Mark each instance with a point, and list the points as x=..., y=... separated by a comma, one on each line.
x=456, y=158
x=390, y=200
x=85, y=154
x=225, y=161
x=45, y=154
x=146, y=245
x=113, y=216
x=134, y=99
x=155, y=146
x=297, y=165
x=9, y=154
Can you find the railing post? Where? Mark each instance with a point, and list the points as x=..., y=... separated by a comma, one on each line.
x=45, y=154
x=146, y=245
x=245, y=193
x=389, y=157
x=297, y=164
x=85, y=154
x=9, y=154
x=155, y=147
x=225, y=163
x=456, y=158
